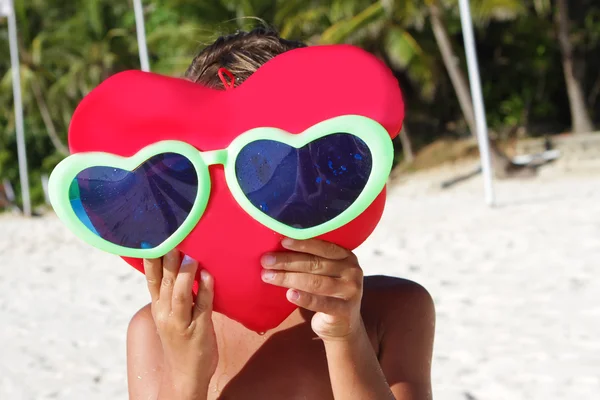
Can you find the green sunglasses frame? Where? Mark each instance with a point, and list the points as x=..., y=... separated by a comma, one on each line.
x=369, y=131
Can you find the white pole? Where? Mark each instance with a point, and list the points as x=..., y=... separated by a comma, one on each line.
x=8, y=8
x=141, y=35
x=476, y=93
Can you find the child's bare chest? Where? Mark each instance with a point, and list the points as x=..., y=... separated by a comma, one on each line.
x=289, y=364
x=288, y=376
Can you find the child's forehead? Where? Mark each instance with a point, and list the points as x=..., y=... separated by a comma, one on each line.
x=293, y=91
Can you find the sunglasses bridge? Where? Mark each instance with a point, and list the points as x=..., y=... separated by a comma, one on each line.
x=215, y=157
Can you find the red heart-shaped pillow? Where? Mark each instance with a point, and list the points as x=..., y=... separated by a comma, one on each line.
x=293, y=91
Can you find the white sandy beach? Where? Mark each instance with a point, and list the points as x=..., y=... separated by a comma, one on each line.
x=517, y=292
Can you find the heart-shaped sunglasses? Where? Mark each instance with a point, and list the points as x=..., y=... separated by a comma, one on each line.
x=299, y=185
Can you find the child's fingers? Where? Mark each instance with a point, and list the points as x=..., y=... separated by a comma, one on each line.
x=171, y=262
x=302, y=262
x=311, y=283
x=317, y=247
x=182, y=291
x=204, y=299
x=316, y=303
x=153, y=271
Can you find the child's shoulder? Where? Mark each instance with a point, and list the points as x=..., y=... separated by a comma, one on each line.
x=392, y=285
x=397, y=307
x=391, y=293
x=400, y=319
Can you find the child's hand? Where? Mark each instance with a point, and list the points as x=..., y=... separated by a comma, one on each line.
x=184, y=324
x=321, y=277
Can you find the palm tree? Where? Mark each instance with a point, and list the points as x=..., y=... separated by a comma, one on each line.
x=66, y=51
x=451, y=62
x=391, y=20
x=483, y=12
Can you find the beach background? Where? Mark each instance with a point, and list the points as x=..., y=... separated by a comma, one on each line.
x=516, y=286
x=516, y=289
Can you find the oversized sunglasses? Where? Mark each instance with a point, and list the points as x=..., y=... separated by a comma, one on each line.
x=299, y=185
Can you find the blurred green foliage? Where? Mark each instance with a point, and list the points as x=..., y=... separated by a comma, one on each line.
x=69, y=46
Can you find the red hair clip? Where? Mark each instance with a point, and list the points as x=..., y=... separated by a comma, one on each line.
x=228, y=85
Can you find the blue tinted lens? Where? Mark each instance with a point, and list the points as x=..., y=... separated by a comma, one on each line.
x=304, y=187
x=138, y=209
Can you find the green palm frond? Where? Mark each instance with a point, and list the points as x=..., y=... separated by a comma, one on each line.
x=484, y=11
x=341, y=30
x=305, y=23
x=94, y=16
x=405, y=53
x=408, y=13
x=542, y=7
x=287, y=11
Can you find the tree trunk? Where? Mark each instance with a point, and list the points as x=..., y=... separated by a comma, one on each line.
x=409, y=155
x=502, y=165
x=580, y=117
x=47, y=118
x=459, y=82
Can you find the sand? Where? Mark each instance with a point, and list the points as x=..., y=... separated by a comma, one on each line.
x=516, y=287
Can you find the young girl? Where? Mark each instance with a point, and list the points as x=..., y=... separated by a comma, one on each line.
x=351, y=337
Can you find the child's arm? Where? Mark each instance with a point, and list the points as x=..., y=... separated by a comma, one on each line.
x=327, y=279
x=406, y=324
x=179, y=360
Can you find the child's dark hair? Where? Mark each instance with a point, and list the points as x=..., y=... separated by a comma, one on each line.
x=241, y=53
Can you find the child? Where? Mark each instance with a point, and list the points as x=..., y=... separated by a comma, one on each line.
x=351, y=337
